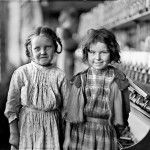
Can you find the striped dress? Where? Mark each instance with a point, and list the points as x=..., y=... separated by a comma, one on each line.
x=92, y=135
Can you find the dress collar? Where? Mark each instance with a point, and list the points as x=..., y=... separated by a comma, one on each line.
x=99, y=71
x=42, y=67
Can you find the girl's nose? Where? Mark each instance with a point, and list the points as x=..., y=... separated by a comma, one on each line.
x=43, y=51
x=98, y=56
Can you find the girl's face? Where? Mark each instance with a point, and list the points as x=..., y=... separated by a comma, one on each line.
x=99, y=56
x=43, y=50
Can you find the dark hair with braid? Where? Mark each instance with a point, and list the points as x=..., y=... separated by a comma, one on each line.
x=104, y=36
x=43, y=31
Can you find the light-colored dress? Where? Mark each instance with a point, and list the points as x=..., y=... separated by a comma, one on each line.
x=36, y=97
x=92, y=135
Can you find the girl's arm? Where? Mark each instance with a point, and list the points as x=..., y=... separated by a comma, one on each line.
x=65, y=90
x=13, y=106
x=14, y=134
x=67, y=136
x=13, y=103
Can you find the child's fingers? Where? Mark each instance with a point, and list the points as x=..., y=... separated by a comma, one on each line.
x=66, y=145
x=14, y=141
x=14, y=148
x=14, y=145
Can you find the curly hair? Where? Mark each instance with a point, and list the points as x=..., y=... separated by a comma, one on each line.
x=104, y=36
x=44, y=31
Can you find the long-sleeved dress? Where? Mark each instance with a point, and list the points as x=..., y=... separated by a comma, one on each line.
x=36, y=97
x=102, y=108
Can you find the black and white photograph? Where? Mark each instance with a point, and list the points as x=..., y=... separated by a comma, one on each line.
x=74, y=74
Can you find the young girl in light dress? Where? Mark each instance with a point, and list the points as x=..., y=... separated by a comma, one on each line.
x=98, y=106
x=37, y=95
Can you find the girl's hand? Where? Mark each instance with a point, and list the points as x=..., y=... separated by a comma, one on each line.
x=14, y=140
x=14, y=134
x=66, y=144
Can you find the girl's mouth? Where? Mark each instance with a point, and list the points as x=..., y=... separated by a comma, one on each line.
x=43, y=57
x=98, y=63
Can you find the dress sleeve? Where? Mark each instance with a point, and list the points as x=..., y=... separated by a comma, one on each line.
x=121, y=105
x=13, y=99
x=117, y=108
x=65, y=89
x=126, y=104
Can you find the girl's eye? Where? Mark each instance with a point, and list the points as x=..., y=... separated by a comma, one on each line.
x=104, y=52
x=37, y=49
x=49, y=47
x=91, y=51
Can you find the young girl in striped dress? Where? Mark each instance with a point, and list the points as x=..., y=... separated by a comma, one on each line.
x=98, y=107
x=37, y=95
